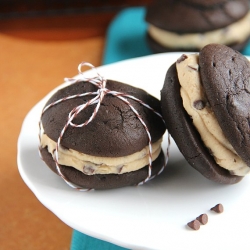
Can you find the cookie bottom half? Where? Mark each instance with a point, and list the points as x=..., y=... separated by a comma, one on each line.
x=103, y=181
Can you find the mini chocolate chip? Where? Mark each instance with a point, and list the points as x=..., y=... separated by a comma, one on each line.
x=199, y=104
x=210, y=151
x=218, y=208
x=195, y=67
x=203, y=219
x=194, y=224
x=182, y=58
x=120, y=168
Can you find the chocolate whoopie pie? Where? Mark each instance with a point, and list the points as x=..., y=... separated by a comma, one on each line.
x=189, y=25
x=205, y=103
x=111, y=151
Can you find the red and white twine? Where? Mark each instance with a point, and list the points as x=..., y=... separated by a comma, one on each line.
x=100, y=83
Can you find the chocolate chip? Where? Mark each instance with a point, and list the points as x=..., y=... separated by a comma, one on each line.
x=210, y=151
x=120, y=168
x=203, y=219
x=194, y=224
x=218, y=208
x=182, y=58
x=195, y=67
x=199, y=105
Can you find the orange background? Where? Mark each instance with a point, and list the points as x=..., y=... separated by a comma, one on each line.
x=35, y=55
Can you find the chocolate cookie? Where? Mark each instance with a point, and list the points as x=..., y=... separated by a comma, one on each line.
x=224, y=80
x=115, y=131
x=111, y=150
x=188, y=25
x=225, y=77
x=158, y=48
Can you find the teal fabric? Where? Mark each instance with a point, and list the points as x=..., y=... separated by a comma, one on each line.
x=83, y=242
x=126, y=36
x=125, y=40
x=246, y=51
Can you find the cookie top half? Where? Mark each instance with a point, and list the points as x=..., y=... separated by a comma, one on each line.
x=225, y=76
x=115, y=131
x=194, y=16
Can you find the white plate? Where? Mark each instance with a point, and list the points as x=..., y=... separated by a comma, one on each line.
x=152, y=216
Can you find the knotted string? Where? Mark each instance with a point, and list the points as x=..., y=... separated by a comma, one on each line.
x=100, y=83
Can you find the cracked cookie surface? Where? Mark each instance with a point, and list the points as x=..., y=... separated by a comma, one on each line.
x=115, y=131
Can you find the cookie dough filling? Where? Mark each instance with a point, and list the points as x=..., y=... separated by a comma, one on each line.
x=197, y=106
x=91, y=165
x=234, y=33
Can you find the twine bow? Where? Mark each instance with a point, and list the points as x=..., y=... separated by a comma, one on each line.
x=100, y=83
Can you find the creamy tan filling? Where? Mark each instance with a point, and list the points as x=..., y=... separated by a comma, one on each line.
x=91, y=165
x=197, y=106
x=234, y=33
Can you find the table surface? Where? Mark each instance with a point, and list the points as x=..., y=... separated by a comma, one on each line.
x=36, y=54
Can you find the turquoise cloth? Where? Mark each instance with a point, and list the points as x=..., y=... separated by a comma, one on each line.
x=83, y=242
x=126, y=36
x=125, y=40
x=246, y=51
